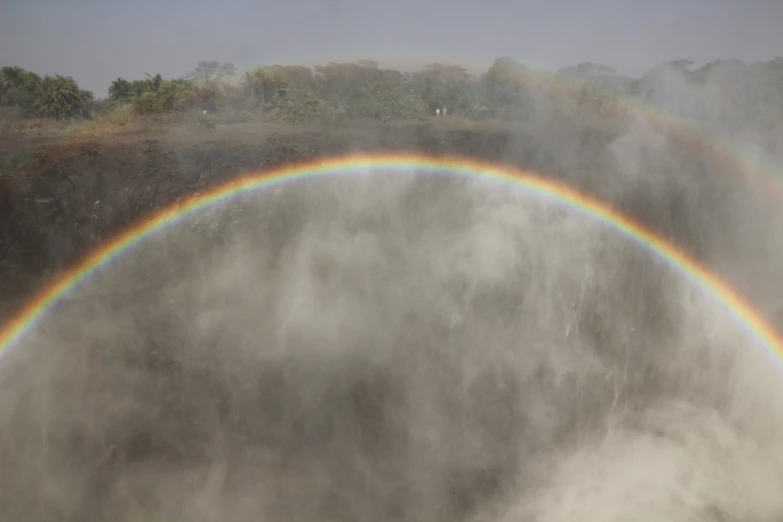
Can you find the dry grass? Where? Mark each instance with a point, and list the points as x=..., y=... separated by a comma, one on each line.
x=119, y=121
x=126, y=120
x=14, y=126
x=22, y=138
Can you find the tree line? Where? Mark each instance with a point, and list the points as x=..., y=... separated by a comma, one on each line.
x=364, y=90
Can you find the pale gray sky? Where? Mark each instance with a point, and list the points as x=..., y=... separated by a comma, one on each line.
x=95, y=41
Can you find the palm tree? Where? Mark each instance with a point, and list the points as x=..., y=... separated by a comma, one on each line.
x=17, y=87
x=59, y=97
x=121, y=90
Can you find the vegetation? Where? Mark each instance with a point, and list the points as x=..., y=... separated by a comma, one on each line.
x=51, y=96
x=365, y=91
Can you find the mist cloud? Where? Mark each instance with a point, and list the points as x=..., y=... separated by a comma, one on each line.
x=415, y=347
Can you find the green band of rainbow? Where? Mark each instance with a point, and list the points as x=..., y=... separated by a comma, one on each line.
x=32, y=313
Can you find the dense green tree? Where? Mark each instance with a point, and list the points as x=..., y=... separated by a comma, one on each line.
x=18, y=88
x=505, y=87
x=449, y=86
x=164, y=96
x=59, y=97
x=298, y=105
x=340, y=84
x=265, y=85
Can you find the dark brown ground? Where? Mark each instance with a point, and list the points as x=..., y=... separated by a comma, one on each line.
x=58, y=200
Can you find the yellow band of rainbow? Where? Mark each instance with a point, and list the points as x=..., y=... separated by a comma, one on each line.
x=13, y=333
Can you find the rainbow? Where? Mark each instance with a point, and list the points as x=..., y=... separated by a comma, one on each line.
x=13, y=333
x=721, y=149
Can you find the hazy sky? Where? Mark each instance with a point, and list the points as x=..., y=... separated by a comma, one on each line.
x=95, y=41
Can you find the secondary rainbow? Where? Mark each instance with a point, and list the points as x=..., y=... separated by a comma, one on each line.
x=26, y=320
x=760, y=169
